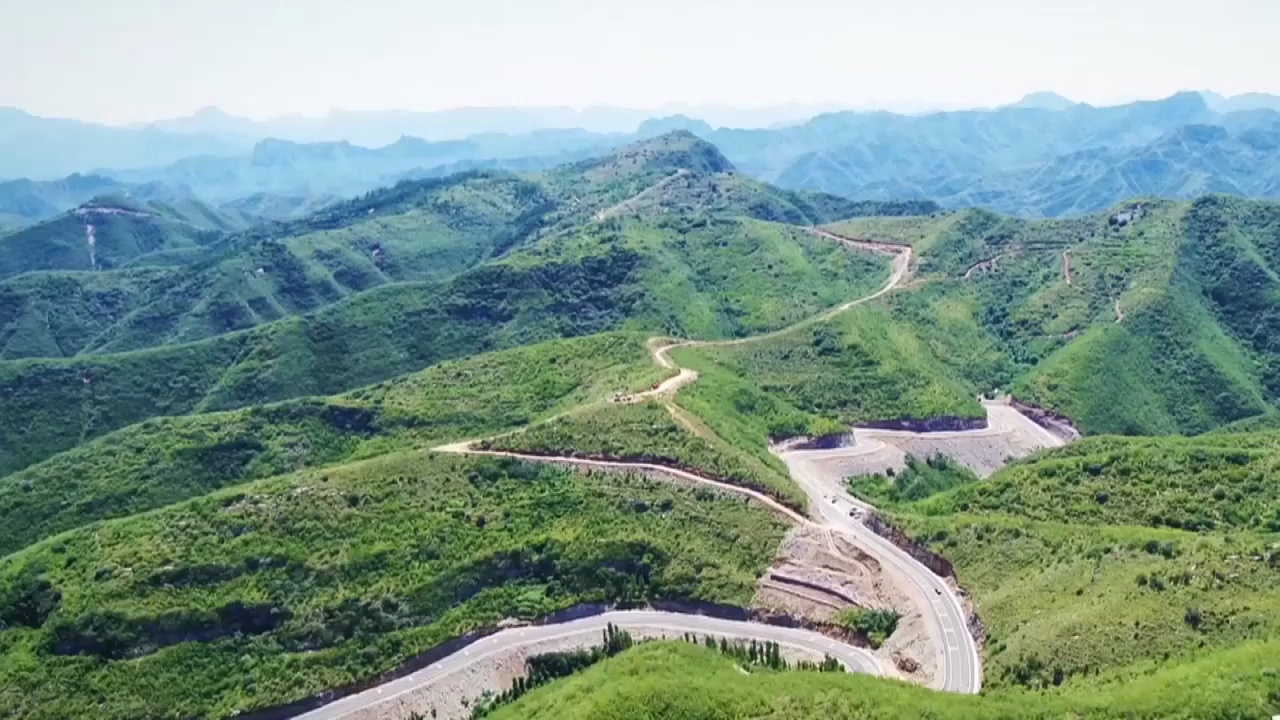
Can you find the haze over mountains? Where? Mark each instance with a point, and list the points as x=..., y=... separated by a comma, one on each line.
x=1042, y=156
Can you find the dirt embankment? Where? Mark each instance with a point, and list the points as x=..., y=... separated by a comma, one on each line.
x=927, y=425
x=812, y=442
x=937, y=564
x=1060, y=425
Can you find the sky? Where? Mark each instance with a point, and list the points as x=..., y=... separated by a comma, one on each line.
x=140, y=60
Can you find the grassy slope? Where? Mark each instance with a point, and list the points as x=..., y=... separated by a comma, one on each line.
x=857, y=367
x=166, y=460
x=1077, y=568
x=1215, y=482
x=268, y=592
x=646, y=432
x=1184, y=359
x=120, y=239
x=710, y=277
x=415, y=232
x=679, y=680
x=59, y=314
x=54, y=404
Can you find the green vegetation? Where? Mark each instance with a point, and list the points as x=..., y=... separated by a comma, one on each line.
x=647, y=432
x=162, y=461
x=201, y=515
x=124, y=233
x=1066, y=603
x=560, y=274
x=58, y=314
x=857, y=367
x=542, y=669
x=1216, y=482
x=681, y=680
x=918, y=480
x=706, y=277
x=268, y=592
x=1114, y=556
x=1162, y=309
x=877, y=624
x=424, y=232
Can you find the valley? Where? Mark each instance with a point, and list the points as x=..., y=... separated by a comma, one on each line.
x=249, y=469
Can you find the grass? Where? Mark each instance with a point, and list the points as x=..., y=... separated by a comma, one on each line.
x=671, y=680
x=860, y=366
x=1070, y=604
x=120, y=240
x=920, y=479
x=60, y=314
x=1109, y=559
x=269, y=592
x=670, y=274
x=876, y=624
x=708, y=277
x=1212, y=483
x=167, y=460
x=646, y=432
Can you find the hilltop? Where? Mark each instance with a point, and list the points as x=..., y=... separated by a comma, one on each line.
x=462, y=265
x=215, y=464
x=1043, y=156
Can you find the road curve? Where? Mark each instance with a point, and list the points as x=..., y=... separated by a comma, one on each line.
x=961, y=663
x=589, y=630
x=900, y=267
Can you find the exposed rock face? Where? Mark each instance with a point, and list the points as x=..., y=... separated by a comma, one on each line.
x=938, y=424
x=937, y=564
x=814, y=442
x=1059, y=425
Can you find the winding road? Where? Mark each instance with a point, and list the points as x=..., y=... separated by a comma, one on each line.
x=834, y=510
x=588, y=630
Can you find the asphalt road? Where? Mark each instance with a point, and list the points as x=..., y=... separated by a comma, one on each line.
x=589, y=630
x=962, y=671
x=961, y=664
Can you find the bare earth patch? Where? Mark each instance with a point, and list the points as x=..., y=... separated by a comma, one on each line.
x=819, y=573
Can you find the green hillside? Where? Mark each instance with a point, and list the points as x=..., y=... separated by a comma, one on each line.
x=265, y=593
x=684, y=680
x=1114, y=556
x=166, y=460
x=217, y=491
x=1150, y=315
x=113, y=232
x=678, y=273
x=60, y=314
x=649, y=433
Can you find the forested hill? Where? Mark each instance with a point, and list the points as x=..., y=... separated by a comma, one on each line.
x=1150, y=318
x=1044, y=157
x=648, y=238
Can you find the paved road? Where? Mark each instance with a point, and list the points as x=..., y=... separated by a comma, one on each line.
x=961, y=664
x=589, y=630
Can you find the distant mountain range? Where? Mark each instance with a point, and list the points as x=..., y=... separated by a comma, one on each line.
x=1042, y=156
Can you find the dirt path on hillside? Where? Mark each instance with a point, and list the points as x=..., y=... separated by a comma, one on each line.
x=1119, y=312
x=629, y=204
x=989, y=265
x=1066, y=265
x=901, y=267
x=935, y=624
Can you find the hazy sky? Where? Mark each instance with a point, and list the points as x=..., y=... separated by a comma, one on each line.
x=132, y=60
